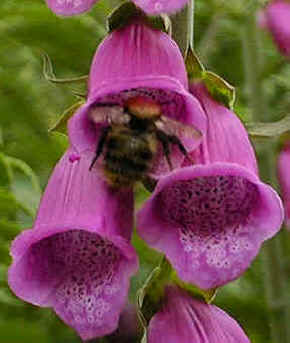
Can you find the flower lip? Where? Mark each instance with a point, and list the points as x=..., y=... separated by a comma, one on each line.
x=77, y=272
x=42, y=232
x=83, y=134
x=211, y=242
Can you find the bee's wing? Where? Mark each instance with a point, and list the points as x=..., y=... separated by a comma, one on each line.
x=111, y=114
x=176, y=128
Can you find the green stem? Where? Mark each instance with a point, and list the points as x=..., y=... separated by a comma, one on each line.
x=272, y=253
x=183, y=27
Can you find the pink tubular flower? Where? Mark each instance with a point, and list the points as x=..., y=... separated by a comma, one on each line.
x=211, y=218
x=77, y=259
x=284, y=180
x=70, y=7
x=276, y=17
x=137, y=61
x=187, y=320
x=153, y=7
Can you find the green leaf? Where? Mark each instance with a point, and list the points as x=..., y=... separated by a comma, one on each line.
x=8, y=204
x=49, y=75
x=8, y=228
x=194, y=67
x=269, y=130
x=150, y=296
x=26, y=170
x=61, y=124
x=207, y=295
x=5, y=172
x=219, y=89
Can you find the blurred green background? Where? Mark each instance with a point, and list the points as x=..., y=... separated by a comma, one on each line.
x=30, y=105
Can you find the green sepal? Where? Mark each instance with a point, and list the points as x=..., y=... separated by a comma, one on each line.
x=6, y=173
x=207, y=295
x=194, y=67
x=61, y=124
x=269, y=130
x=127, y=11
x=149, y=297
x=219, y=89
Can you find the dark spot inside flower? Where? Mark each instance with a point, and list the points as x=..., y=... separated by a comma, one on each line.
x=220, y=203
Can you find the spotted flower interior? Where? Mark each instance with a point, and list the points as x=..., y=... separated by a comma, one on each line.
x=210, y=221
x=85, y=268
x=211, y=214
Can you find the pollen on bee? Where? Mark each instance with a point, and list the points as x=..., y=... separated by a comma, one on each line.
x=143, y=107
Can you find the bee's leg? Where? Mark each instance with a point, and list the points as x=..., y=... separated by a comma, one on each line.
x=176, y=141
x=149, y=183
x=100, y=146
x=164, y=139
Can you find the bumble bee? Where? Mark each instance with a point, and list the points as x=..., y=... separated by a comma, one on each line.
x=130, y=139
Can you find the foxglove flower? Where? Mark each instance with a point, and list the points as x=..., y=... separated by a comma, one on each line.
x=284, y=180
x=153, y=7
x=77, y=259
x=276, y=18
x=211, y=218
x=138, y=61
x=186, y=320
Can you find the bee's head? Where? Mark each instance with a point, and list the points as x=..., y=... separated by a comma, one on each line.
x=143, y=108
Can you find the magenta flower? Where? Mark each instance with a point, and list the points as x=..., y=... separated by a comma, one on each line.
x=153, y=7
x=211, y=218
x=284, y=180
x=70, y=7
x=186, y=320
x=276, y=18
x=138, y=61
x=77, y=259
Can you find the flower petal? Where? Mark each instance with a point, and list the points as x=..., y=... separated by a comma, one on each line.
x=277, y=15
x=226, y=139
x=70, y=7
x=184, y=319
x=284, y=180
x=155, y=7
